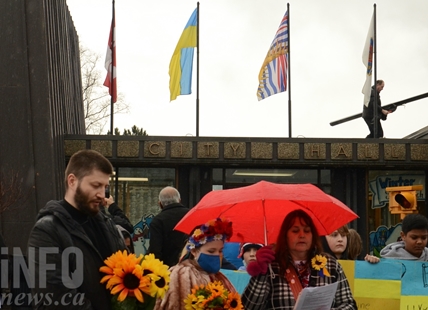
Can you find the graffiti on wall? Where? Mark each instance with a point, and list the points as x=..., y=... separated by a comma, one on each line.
x=378, y=187
x=141, y=237
x=382, y=236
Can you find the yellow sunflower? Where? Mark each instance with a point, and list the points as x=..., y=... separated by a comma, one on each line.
x=159, y=274
x=207, y=301
x=212, y=296
x=319, y=262
x=129, y=281
x=233, y=302
x=200, y=290
x=194, y=302
x=125, y=276
x=117, y=261
x=216, y=288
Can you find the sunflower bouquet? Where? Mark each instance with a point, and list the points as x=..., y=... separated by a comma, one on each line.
x=212, y=296
x=135, y=282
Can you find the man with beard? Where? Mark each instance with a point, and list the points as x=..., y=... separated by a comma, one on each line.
x=72, y=238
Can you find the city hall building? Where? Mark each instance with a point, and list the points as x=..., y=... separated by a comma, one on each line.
x=356, y=171
x=42, y=125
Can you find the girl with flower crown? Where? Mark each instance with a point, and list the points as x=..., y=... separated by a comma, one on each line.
x=297, y=261
x=199, y=266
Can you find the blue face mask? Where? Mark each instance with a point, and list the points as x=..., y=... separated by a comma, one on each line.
x=209, y=263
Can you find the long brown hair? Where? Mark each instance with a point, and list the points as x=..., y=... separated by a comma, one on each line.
x=355, y=244
x=282, y=251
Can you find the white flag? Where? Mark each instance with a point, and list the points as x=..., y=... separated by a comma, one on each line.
x=368, y=62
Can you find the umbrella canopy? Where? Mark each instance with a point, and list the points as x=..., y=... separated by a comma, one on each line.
x=257, y=211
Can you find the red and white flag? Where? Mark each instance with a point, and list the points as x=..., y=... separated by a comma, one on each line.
x=110, y=63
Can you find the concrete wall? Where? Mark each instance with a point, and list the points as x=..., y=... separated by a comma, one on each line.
x=40, y=101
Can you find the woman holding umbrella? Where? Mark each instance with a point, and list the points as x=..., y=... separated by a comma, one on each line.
x=200, y=264
x=296, y=262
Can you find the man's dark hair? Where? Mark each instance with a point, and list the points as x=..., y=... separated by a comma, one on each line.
x=83, y=162
x=414, y=221
x=379, y=82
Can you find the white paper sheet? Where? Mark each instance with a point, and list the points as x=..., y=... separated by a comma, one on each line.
x=316, y=298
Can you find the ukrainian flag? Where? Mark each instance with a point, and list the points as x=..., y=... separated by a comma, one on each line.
x=180, y=67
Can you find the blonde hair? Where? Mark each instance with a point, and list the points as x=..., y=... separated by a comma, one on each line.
x=185, y=254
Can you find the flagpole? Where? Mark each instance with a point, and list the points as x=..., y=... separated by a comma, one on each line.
x=197, y=70
x=289, y=74
x=113, y=43
x=375, y=74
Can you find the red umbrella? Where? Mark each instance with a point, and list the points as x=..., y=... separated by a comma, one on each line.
x=257, y=210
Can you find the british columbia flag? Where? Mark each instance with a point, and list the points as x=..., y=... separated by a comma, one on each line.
x=273, y=74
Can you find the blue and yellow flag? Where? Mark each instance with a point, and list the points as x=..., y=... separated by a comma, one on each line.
x=180, y=67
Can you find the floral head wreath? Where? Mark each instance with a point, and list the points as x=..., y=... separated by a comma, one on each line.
x=218, y=229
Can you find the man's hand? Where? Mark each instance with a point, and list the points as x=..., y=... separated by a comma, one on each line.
x=108, y=201
x=386, y=112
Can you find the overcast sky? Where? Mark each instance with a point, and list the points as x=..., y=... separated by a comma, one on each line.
x=327, y=73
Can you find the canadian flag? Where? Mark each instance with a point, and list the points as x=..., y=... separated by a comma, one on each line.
x=110, y=63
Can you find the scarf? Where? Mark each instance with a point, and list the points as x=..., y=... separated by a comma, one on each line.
x=303, y=272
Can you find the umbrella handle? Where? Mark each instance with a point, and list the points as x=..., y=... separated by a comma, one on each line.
x=264, y=221
x=272, y=274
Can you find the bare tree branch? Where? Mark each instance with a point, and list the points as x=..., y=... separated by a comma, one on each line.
x=12, y=189
x=96, y=99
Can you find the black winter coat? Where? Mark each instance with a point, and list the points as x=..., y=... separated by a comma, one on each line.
x=165, y=242
x=119, y=217
x=368, y=111
x=56, y=229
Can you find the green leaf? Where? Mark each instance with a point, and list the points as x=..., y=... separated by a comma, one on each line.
x=149, y=303
x=130, y=303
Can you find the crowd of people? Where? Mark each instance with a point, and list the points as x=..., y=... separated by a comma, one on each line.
x=299, y=258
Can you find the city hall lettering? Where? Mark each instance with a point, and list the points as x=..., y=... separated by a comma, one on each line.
x=236, y=150
x=260, y=150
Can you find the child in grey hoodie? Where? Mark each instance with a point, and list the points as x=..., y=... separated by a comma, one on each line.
x=414, y=234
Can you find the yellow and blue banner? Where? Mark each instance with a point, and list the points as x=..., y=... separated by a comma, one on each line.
x=181, y=65
x=390, y=284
